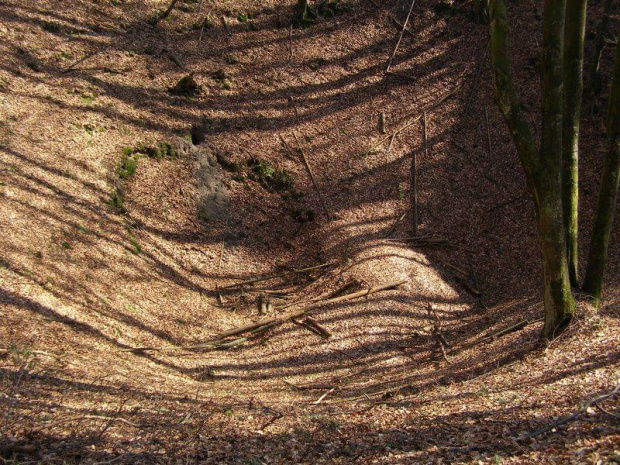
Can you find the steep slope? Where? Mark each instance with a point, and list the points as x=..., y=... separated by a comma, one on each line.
x=97, y=260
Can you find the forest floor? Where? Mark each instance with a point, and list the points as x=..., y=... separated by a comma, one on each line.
x=96, y=259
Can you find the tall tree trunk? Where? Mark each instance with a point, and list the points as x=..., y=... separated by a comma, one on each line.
x=559, y=303
x=543, y=169
x=607, y=194
x=574, y=33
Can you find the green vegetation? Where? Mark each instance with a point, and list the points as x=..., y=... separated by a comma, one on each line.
x=135, y=247
x=269, y=177
x=117, y=200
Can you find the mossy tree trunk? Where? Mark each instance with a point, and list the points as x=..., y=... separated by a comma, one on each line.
x=543, y=168
x=574, y=34
x=607, y=195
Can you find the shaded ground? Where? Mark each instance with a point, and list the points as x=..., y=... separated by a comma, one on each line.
x=82, y=281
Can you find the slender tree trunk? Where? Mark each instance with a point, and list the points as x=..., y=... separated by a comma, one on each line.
x=559, y=303
x=574, y=33
x=607, y=195
x=543, y=169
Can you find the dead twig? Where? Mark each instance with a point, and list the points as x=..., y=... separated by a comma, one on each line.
x=400, y=37
x=277, y=275
x=314, y=182
x=312, y=325
x=273, y=419
x=572, y=416
x=496, y=335
x=320, y=399
x=311, y=306
x=430, y=108
x=441, y=340
x=605, y=411
x=396, y=223
x=264, y=324
x=486, y=118
x=476, y=78
x=290, y=42
x=394, y=20
x=93, y=417
x=81, y=60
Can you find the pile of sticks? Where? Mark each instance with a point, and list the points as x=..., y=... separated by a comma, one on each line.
x=225, y=339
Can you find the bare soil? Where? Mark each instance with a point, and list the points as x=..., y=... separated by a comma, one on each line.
x=94, y=264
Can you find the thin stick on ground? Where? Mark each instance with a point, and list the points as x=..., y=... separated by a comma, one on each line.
x=394, y=20
x=400, y=37
x=486, y=118
x=476, y=78
x=314, y=182
x=174, y=58
x=572, y=416
x=277, y=275
x=391, y=142
x=81, y=60
x=414, y=178
x=312, y=325
x=290, y=42
x=93, y=417
x=320, y=399
x=269, y=322
x=441, y=340
x=430, y=108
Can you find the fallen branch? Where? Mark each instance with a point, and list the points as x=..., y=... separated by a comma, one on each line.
x=320, y=399
x=204, y=23
x=400, y=37
x=309, y=387
x=395, y=225
x=417, y=118
x=81, y=60
x=312, y=325
x=273, y=419
x=277, y=275
x=33, y=352
x=502, y=332
x=441, y=340
x=314, y=182
x=394, y=20
x=93, y=417
x=571, y=417
x=475, y=84
x=264, y=324
x=310, y=307
x=605, y=411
